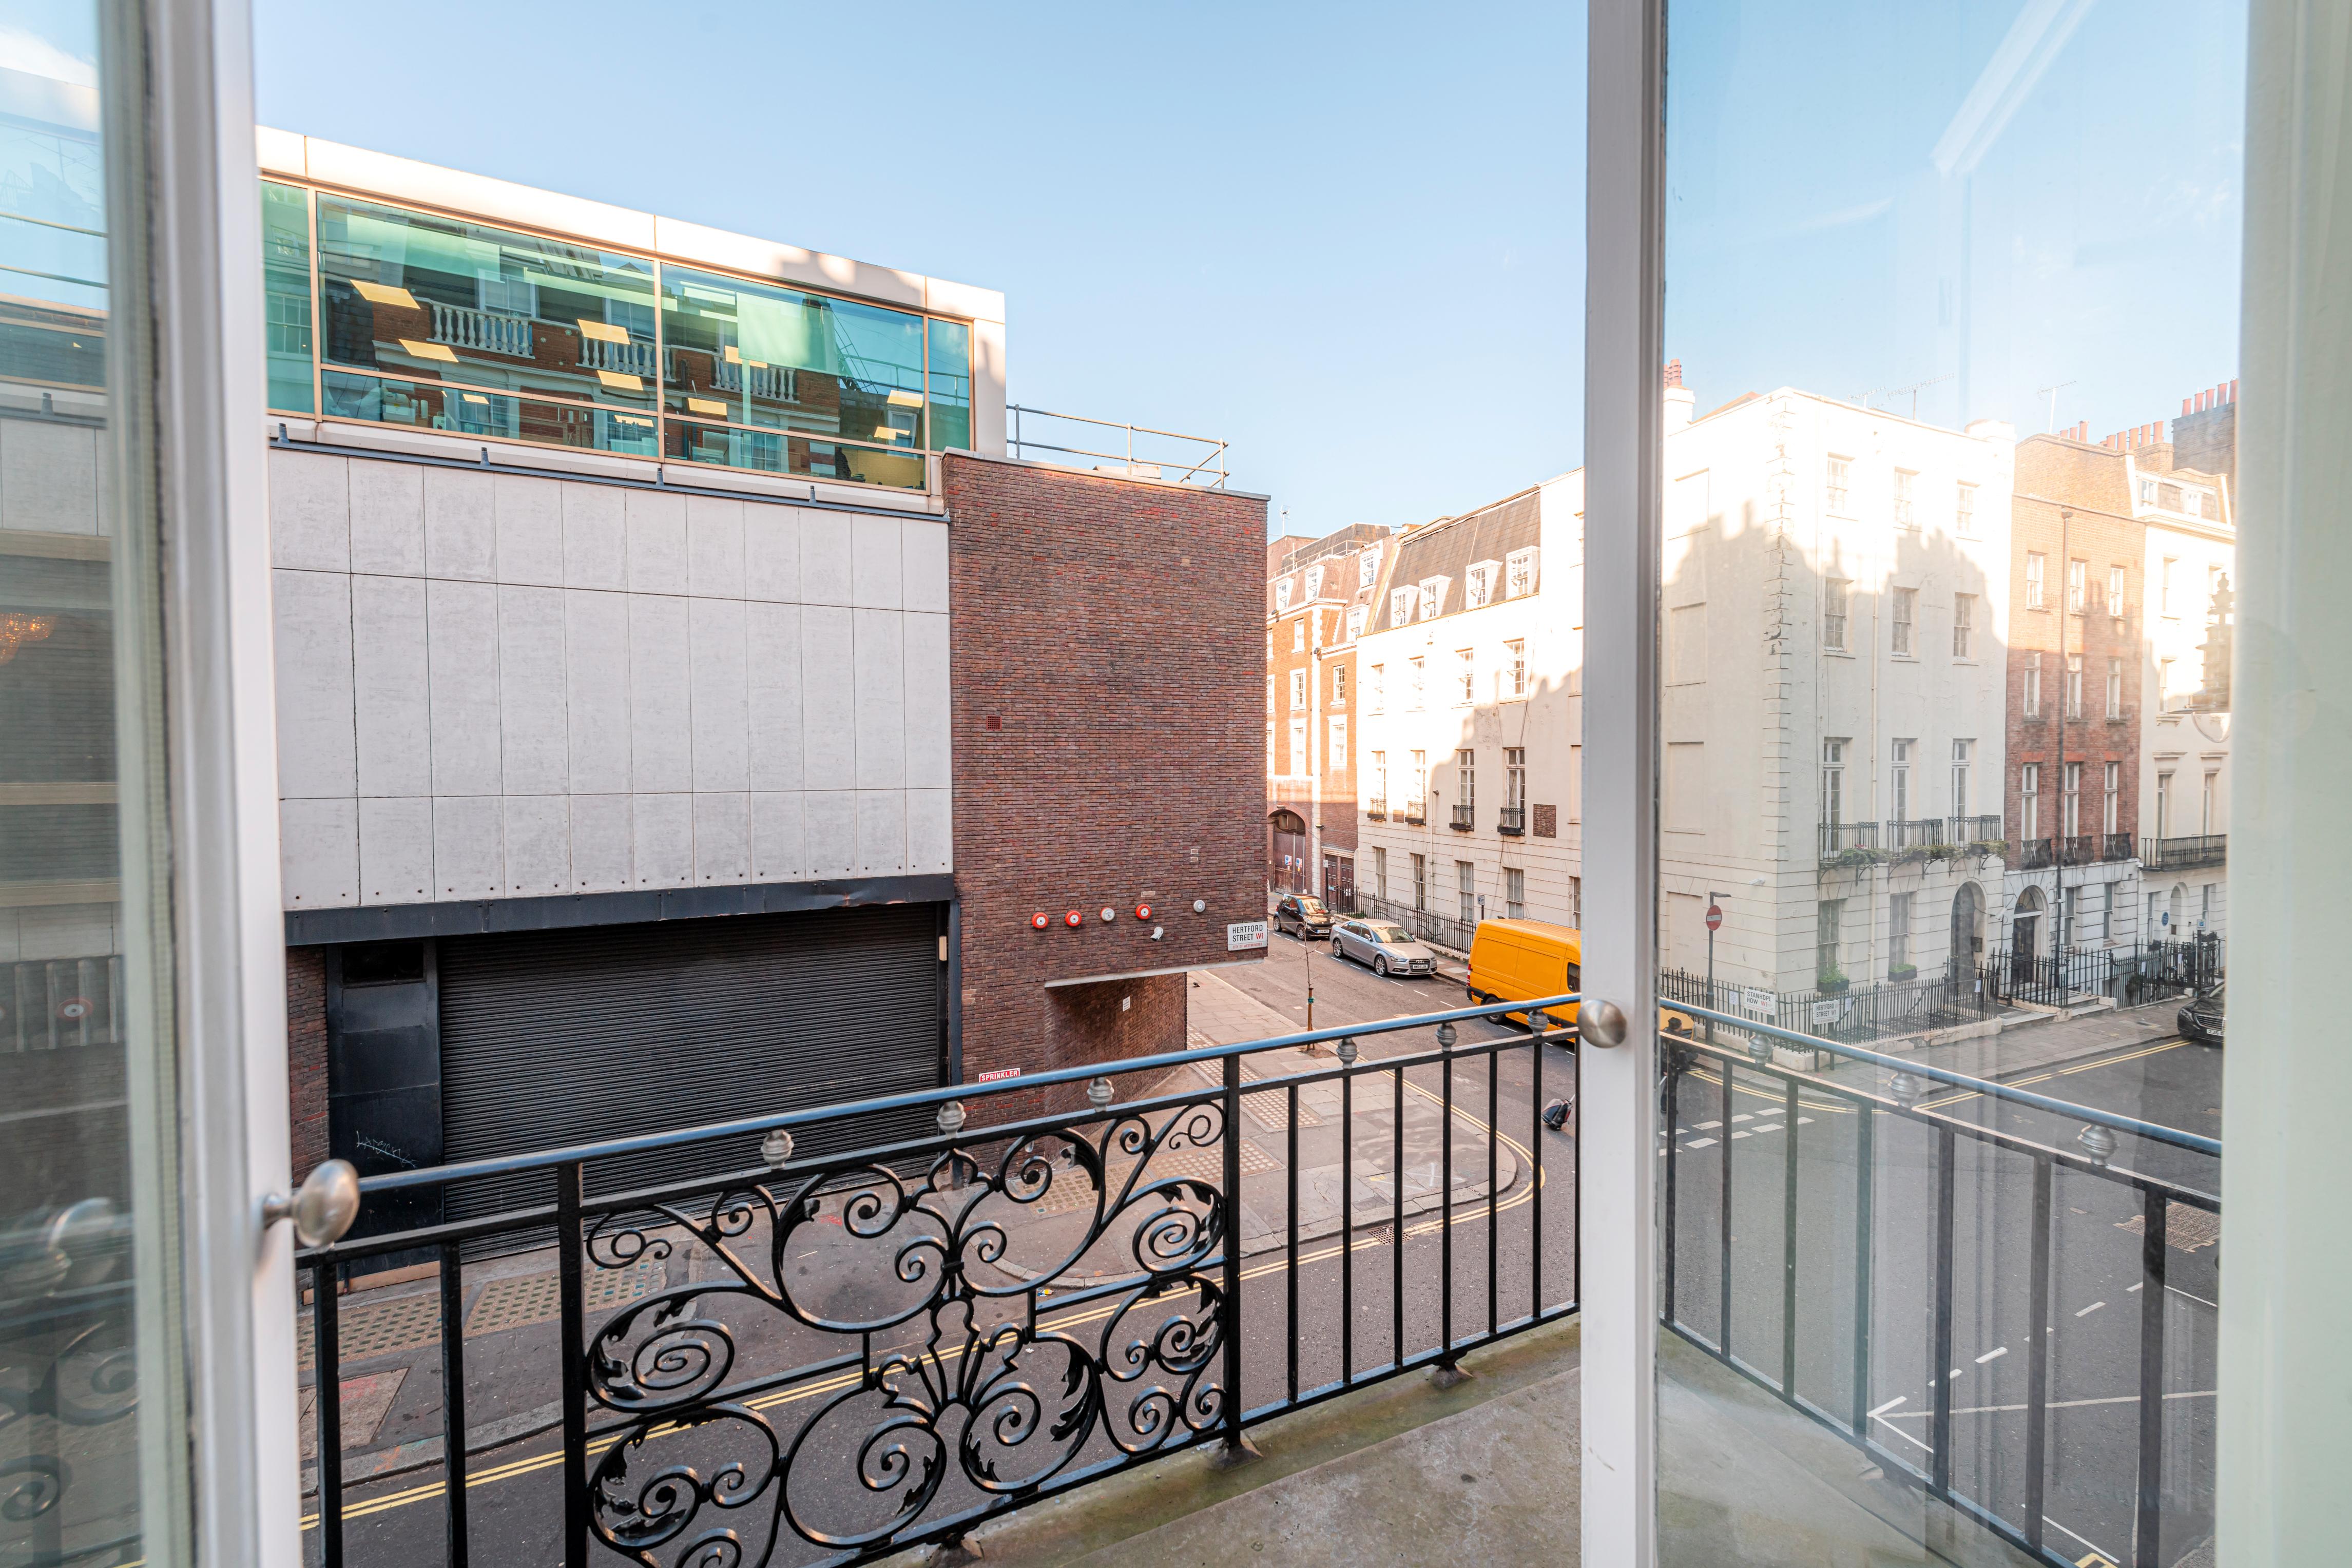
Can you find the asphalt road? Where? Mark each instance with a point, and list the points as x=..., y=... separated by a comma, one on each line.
x=1354, y=1294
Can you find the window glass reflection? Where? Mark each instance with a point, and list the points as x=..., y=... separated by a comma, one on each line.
x=285, y=294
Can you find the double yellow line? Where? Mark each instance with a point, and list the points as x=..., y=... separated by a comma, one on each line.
x=2057, y=1072
x=517, y=1468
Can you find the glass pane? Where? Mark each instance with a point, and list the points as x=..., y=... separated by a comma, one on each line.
x=431, y=299
x=778, y=358
x=86, y=1337
x=1945, y=726
x=950, y=378
x=285, y=294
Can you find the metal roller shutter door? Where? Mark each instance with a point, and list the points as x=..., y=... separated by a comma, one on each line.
x=553, y=1037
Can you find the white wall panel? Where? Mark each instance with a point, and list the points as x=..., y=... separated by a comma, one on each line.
x=828, y=698
x=538, y=845
x=61, y=931
x=830, y=819
x=314, y=684
x=596, y=706
x=664, y=840
x=825, y=573
x=530, y=518
x=881, y=831
x=397, y=851
x=931, y=831
x=603, y=833
x=880, y=639
x=391, y=683
x=925, y=571
x=928, y=713
x=722, y=838
x=661, y=733
x=310, y=511
x=534, y=729
x=779, y=842
x=772, y=552
x=772, y=640
x=461, y=534
x=469, y=846
x=714, y=548
x=722, y=733
x=595, y=537
x=656, y=541
x=48, y=478
x=462, y=632
x=387, y=501
x=876, y=563
x=319, y=853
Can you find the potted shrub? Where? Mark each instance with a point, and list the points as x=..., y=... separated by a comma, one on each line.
x=1831, y=983
x=1903, y=971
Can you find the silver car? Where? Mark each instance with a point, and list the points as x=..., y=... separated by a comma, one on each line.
x=1389, y=948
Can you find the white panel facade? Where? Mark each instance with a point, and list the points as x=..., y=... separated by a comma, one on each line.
x=504, y=686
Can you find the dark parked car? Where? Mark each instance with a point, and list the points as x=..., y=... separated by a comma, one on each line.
x=2201, y=1018
x=1302, y=916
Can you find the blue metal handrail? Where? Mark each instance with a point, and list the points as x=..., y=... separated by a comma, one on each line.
x=507, y=1165
x=2132, y=1124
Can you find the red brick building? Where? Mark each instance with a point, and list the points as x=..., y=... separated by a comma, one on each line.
x=1104, y=677
x=1318, y=596
x=2077, y=615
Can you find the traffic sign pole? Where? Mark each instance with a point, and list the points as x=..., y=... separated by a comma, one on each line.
x=1714, y=924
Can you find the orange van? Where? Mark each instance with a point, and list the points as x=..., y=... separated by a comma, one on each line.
x=1518, y=960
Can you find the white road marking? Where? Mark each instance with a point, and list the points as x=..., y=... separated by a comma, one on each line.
x=1766, y=1127
x=1993, y=1355
x=1743, y=1117
x=2053, y=1405
x=1889, y=1405
x=2093, y=1307
x=2084, y=1540
x=1904, y=1435
x=2135, y=1288
x=2193, y=1296
x=1739, y=1134
x=1804, y=1121
x=1708, y=1126
x=1700, y=1143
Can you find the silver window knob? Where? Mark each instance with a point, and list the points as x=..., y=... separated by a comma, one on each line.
x=322, y=1209
x=1603, y=1023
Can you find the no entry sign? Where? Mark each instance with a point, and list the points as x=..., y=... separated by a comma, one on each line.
x=1715, y=917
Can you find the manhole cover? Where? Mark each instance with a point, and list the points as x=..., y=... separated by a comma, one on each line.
x=2185, y=1228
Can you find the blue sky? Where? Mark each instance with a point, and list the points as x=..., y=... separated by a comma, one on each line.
x=1348, y=239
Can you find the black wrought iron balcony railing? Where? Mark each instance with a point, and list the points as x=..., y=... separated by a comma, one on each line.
x=1512, y=820
x=2080, y=848
x=1847, y=841
x=1009, y=1307
x=2182, y=853
x=1414, y=812
x=1924, y=833
x=1984, y=830
x=1808, y=1313
x=1465, y=818
x=1377, y=808
x=2115, y=846
x=2034, y=855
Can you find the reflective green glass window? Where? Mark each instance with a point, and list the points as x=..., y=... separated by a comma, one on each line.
x=285, y=294
x=425, y=300
x=951, y=385
x=780, y=358
x=52, y=254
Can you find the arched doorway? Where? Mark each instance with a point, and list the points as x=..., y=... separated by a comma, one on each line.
x=1968, y=928
x=2025, y=935
x=1285, y=865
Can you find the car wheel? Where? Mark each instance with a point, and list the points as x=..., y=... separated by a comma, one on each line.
x=1380, y=966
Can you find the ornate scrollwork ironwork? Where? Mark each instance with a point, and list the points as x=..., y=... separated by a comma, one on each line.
x=962, y=1381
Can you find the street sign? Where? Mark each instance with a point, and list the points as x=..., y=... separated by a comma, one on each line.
x=1715, y=917
x=1244, y=934
x=1827, y=1012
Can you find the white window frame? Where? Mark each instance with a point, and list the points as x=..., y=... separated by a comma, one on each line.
x=1466, y=675
x=1478, y=584
x=1903, y=627
x=1400, y=602
x=1281, y=595
x=2037, y=576
x=1431, y=602
x=1517, y=649
x=1519, y=578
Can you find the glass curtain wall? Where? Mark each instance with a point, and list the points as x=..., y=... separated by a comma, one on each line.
x=449, y=325
x=1951, y=324
x=90, y=1357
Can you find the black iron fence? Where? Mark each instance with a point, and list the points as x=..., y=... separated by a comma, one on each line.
x=2158, y=970
x=833, y=1359
x=1868, y=1309
x=1936, y=1000
x=1426, y=923
x=2052, y=980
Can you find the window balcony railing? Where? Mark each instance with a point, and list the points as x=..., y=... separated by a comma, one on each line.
x=1414, y=812
x=1923, y=833
x=1513, y=820
x=2182, y=853
x=633, y=357
x=2080, y=848
x=1976, y=830
x=1465, y=818
x=485, y=332
x=2034, y=855
x=1376, y=808
x=1017, y=1304
x=1846, y=843
x=2115, y=846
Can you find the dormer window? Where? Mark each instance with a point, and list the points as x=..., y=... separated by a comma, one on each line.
x=1368, y=568
x=1400, y=606
x=1521, y=571
x=1314, y=581
x=1433, y=596
x=1355, y=618
x=1282, y=596
x=1478, y=584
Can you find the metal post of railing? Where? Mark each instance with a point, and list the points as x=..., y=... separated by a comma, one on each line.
x=1494, y=1197
x=1534, y=1175
x=1673, y=1096
x=326, y=1359
x=1789, y=1245
x=1290, y=1253
x=1865, y=1182
x=1236, y=1446
x=1396, y=1219
x=1445, y=1200
x=1347, y=1212
x=1940, y=1364
x=2155, y=1209
x=2037, y=1372
x=453, y=1400
x=572, y=1356
x=1723, y=1156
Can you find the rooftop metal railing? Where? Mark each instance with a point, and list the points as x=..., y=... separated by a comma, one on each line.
x=1204, y=467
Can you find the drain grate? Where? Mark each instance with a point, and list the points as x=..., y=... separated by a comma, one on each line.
x=2186, y=1229
x=512, y=1302
x=364, y=1332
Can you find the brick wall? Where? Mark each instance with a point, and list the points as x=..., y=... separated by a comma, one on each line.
x=1106, y=644
x=306, y=1054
